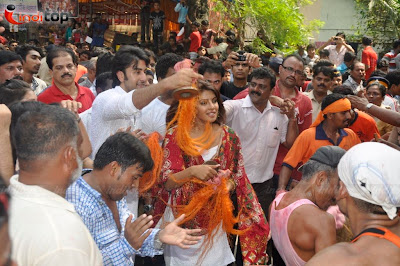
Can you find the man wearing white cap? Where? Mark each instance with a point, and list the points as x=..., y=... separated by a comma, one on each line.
x=370, y=196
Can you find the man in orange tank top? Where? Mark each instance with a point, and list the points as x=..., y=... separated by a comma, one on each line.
x=369, y=195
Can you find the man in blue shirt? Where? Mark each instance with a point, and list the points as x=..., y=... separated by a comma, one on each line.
x=98, y=198
x=183, y=9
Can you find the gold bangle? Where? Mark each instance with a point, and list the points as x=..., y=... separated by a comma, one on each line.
x=233, y=183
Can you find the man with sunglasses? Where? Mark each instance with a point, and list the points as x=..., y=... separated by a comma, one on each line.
x=290, y=72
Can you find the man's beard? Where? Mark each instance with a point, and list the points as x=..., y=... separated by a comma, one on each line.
x=78, y=171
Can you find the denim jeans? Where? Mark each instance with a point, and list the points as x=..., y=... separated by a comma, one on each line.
x=145, y=26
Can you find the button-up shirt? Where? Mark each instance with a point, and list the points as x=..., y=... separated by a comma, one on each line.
x=99, y=219
x=316, y=106
x=356, y=87
x=46, y=230
x=112, y=110
x=260, y=134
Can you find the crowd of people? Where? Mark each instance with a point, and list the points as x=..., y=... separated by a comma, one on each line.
x=106, y=160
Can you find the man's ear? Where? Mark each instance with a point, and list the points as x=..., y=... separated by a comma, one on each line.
x=113, y=169
x=69, y=158
x=120, y=76
x=320, y=177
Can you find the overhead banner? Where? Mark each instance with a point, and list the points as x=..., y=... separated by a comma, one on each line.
x=21, y=6
x=59, y=6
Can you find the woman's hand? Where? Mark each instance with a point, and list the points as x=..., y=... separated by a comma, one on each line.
x=204, y=172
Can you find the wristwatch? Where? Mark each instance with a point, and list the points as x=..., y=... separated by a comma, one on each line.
x=157, y=242
x=369, y=106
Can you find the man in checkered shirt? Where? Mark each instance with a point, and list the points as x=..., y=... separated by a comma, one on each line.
x=98, y=198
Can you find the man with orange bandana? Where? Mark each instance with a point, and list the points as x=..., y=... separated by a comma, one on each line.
x=329, y=128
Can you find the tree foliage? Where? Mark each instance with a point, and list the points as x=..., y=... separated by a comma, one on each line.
x=280, y=21
x=380, y=19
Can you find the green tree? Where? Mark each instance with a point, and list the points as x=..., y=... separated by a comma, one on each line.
x=380, y=19
x=278, y=21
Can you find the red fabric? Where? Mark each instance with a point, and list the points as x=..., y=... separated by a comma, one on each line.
x=242, y=94
x=370, y=58
x=303, y=108
x=195, y=41
x=54, y=95
x=229, y=156
x=364, y=127
x=3, y=40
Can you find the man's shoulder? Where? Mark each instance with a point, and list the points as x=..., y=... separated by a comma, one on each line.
x=365, y=118
x=48, y=93
x=338, y=254
x=83, y=201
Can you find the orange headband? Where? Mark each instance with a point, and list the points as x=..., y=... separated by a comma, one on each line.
x=335, y=107
x=380, y=82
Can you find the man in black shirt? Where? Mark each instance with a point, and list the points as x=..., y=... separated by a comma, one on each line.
x=157, y=22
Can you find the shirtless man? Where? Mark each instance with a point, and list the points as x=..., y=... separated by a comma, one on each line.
x=369, y=195
x=300, y=225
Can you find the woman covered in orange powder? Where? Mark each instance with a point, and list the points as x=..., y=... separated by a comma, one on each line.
x=184, y=179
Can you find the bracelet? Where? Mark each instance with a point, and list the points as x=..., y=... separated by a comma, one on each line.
x=233, y=183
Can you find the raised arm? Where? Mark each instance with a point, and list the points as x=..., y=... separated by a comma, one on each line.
x=382, y=114
x=183, y=78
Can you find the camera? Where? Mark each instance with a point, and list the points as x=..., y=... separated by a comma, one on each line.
x=241, y=57
x=336, y=38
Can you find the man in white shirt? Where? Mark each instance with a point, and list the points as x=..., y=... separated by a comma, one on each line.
x=322, y=83
x=261, y=128
x=121, y=106
x=47, y=142
x=154, y=115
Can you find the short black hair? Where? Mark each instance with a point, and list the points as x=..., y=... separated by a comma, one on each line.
x=88, y=53
x=393, y=77
x=126, y=56
x=8, y=57
x=295, y=56
x=165, y=62
x=58, y=52
x=212, y=66
x=126, y=150
x=329, y=99
x=323, y=62
x=366, y=40
x=324, y=52
x=354, y=64
x=101, y=81
x=104, y=61
x=311, y=46
x=196, y=24
x=23, y=50
x=40, y=134
x=378, y=73
x=327, y=71
x=205, y=22
x=13, y=90
x=383, y=63
x=381, y=88
x=264, y=73
x=396, y=44
x=343, y=90
x=219, y=40
x=349, y=56
x=341, y=34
